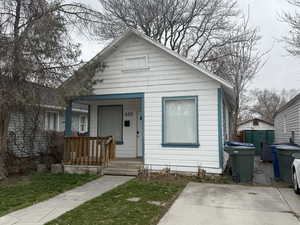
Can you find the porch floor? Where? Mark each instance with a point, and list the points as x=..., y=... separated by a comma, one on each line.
x=124, y=166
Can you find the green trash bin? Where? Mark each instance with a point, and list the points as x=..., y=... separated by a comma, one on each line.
x=285, y=160
x=241, y=162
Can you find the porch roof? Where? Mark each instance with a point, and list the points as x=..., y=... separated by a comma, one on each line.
x=86, y=99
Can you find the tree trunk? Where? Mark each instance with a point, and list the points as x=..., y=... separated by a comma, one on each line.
x=4, y=121
x=236, y=117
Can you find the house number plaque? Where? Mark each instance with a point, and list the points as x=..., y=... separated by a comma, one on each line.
x=128, y=114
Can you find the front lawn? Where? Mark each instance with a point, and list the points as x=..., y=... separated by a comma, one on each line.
x=140, y=201
x=17, y=193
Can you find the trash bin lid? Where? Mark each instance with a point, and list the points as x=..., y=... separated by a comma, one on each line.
x=237, y=148
x=235, y=143
x=296, y=155
x=287, y=147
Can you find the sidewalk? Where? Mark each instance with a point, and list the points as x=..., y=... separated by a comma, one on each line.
x=46, y=211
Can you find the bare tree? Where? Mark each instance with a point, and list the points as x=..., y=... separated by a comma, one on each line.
x=35, y=46
x=241, y=64
x=293, y=20
x=266, y=103
x=193, y=28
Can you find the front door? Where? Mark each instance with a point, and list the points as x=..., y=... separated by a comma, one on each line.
x=121, y=122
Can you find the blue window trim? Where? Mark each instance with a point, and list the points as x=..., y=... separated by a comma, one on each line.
x=180, y=145
x=98, y=130
x=220, y=129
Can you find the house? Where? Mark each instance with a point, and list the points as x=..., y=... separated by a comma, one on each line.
x=255, y=124
x=50, y=114
x=287, y=122
x=257, y=132
x=160, y=107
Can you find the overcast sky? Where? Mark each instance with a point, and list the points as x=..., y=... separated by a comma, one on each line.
x=280, y=70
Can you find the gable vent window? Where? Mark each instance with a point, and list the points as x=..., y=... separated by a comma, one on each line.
x=135, y=63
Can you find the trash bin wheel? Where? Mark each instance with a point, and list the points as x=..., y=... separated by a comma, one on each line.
x=296, y=183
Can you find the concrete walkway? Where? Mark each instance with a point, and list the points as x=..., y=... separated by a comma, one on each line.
x=212, y=204
x=263, y=172
x=46, y=211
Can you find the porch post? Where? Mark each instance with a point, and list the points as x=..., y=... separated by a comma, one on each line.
x=68, y=119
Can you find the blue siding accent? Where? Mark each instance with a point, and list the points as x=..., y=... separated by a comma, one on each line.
x=68, y=120
x=180, y=145
x=143, y=127
x=108, y=97
x=220, y=122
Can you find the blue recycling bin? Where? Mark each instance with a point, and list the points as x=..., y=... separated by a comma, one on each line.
x=275, y=162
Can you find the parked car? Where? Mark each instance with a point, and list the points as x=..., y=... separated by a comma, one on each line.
x=296, y=175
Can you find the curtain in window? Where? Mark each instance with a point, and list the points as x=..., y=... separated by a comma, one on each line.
x=111, y=122
x=180, y=121
x=51, y=121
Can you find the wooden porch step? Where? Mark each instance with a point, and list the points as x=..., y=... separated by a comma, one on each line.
x=121, y=171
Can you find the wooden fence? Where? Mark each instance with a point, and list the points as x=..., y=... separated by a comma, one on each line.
x=89, y=150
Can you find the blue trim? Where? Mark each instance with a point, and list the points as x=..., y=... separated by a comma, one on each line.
x=220, y=121
x=120, y=142
x=143, y=126
x=89, y=119
x=108, y=97
x=180, y=145
x=68, y=120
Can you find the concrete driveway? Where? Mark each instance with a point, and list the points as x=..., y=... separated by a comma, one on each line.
x=213, y=204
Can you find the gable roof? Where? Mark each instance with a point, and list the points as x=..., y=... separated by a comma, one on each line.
x=109, y=48
x=288, y=104
x=260, y=120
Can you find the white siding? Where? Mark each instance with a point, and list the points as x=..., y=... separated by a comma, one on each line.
x=166, y=76
x=250, y=126
x=292, y=114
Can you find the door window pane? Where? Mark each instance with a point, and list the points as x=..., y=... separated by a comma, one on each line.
x=180, y=120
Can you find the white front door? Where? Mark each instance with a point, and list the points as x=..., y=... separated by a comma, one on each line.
x=120, y=119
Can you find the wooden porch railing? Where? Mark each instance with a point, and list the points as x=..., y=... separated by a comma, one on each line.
x=89, y=150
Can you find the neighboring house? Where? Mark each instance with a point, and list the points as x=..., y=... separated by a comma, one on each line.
x=51, y=118
x=255, y=124
x=287, y=122
x=159, y=106
x=257, y=132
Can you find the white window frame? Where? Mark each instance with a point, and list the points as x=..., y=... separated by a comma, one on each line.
x=180, y=144
x=127, y=68
x=85, y=125
x=47, y=122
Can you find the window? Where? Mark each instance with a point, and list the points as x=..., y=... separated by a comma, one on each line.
x=255, y=122
x=180, y=126
x=51, y=121
x=134, y=63
x=83, y=124
x=110, y=122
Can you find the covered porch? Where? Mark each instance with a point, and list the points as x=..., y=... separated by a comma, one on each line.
x=115, y=131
